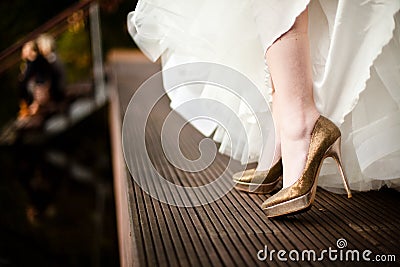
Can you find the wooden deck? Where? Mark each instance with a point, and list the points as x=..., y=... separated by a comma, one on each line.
x=232, y=230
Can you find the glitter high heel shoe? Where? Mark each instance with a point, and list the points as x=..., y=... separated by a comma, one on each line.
x=325, y=142
x=259, y=182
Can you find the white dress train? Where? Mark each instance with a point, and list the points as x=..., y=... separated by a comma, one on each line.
x=355, y=51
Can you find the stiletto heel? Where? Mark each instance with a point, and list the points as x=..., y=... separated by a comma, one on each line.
x=325, y=142
x=335, y=152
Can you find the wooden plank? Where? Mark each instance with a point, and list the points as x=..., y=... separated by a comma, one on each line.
x=127, y=245
x=231, y=230
x=219, y=215
x=191, y=256
x=341, y=220
x=215, y=225
x=364, y=219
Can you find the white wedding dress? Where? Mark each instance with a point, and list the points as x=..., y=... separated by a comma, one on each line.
x=355, y=50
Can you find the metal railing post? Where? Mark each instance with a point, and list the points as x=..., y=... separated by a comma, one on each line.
x=98, y=70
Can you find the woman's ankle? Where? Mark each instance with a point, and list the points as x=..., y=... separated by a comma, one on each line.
x=298, y=126
x=295, y=141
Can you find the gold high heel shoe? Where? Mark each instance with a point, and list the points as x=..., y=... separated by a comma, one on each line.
x=259, y=182
x=325, y=142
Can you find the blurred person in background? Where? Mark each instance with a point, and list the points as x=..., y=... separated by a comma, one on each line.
x=47, y=48
x=35, y=81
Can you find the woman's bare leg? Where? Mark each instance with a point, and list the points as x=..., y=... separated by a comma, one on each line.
x=278, y=152
x=294, y=110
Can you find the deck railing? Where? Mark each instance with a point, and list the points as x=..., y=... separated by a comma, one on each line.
x=56, y=26
x=88, y=9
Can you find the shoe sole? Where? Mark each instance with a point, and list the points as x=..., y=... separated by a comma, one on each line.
x=293, y=206
x=297, y=205
x=257, y=188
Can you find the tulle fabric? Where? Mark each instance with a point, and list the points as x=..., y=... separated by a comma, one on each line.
x=356, y=71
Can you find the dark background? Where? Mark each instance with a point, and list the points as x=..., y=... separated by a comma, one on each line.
x=20, y=17
x=56, y=195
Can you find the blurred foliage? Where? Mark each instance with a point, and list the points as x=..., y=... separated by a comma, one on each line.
x=56, y=240
x=20, y=17
x=74, y=51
